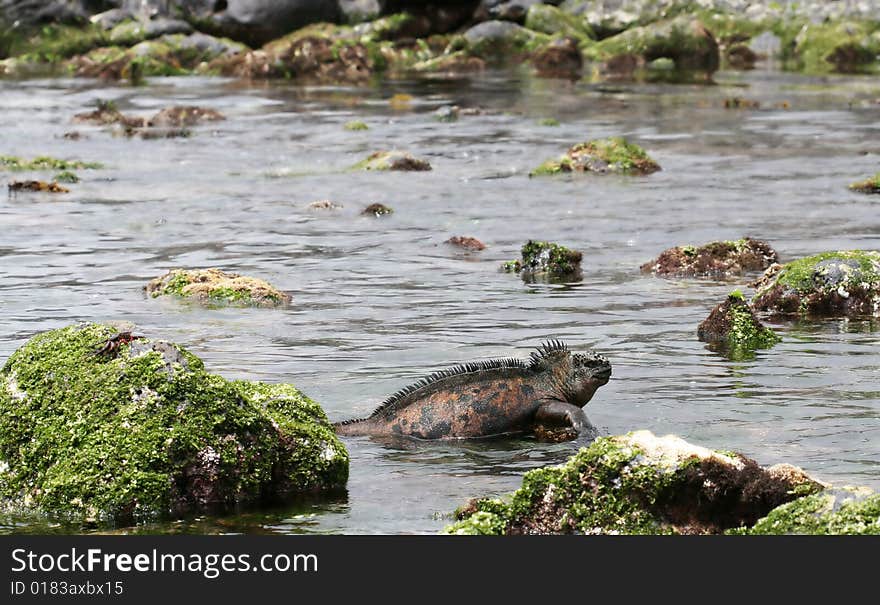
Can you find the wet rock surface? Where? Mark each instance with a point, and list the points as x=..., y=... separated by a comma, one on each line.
x=546, y=260
x=393, y=160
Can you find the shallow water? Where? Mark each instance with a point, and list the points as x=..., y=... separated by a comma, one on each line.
x=379, y=302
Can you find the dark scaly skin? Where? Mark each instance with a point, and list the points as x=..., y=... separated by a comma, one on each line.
x=550, y=392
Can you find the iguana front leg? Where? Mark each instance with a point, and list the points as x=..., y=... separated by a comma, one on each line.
x=555, y=415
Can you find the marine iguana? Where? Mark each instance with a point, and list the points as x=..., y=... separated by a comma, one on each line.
x=493, y=397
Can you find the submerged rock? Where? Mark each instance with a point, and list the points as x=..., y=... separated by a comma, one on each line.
x=44, y=162
x=106, y=113
x=181, y=115
x=870, y=185
x=356, y=125
x=639, y=484
x=324, y=205
x=842, y=283
x=36, y=186
x=715, y=259
x=216, y=286
x=393, y=160
x=733, y=326
x=102, y=426
x=545, y=259
x=614, y=154
x=468, y=243
x=377, y=210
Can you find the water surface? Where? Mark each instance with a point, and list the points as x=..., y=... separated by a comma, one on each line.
x=379, y=302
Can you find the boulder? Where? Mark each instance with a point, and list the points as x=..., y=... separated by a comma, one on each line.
x=830, y=284
x=639, y=483
x=103, y=426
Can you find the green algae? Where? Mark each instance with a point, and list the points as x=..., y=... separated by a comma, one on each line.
x=538, y=257
x=355, y=125
x=392, y=160
x=612, y=154
x=45, y=162
x=548, y=122
x=834, y=512
x=145, y=432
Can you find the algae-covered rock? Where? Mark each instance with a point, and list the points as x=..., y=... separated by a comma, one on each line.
x=831, y=512
x=494, y=39
x=355, y=125
x=842, y=283
x=684, y=40
x=102, y=426
x=545, y=259
x=551, y=20
x=611, y=155
x=869, y=185
x=639, y=484
x=715, y=259
x=217, y=287
x=844, y=47
x=393, y=160
x=732, y=325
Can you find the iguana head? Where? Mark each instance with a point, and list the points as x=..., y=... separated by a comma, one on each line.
x=575, y=377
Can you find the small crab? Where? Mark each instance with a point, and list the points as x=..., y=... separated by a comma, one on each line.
x=112, y=344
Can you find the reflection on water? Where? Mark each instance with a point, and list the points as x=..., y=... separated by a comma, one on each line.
x=379, y=302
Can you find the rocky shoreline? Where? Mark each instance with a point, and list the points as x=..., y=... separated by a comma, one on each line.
x=356, y=40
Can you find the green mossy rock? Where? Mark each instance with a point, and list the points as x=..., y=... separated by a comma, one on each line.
x=545, y=259
x=829, y=284
x=684, y=40
x=844, y=47
x=214, y=286
x=639, y=484
x=144, y=432
x=733, y=327
x=831, y=512
x=611, y=155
